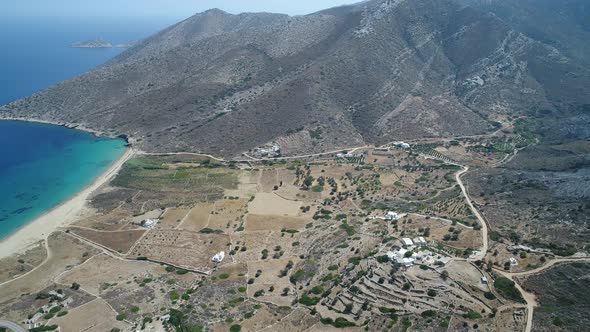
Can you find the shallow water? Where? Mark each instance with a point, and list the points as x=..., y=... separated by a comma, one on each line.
x=43, y=165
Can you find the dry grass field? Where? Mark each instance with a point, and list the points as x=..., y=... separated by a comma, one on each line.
x=197, y=218
x=95, y=316
x=227, y=214
x=101, y=269
x=118, y=241
x=15, y=266
x=111, y=221
x=247, y=185
x=256, y=222
x=272, y=204
x=173, y=217
x=65, y=251
x=181, y=248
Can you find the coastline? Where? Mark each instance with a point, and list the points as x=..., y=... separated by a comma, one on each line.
x=61, y=124
x=62, y=215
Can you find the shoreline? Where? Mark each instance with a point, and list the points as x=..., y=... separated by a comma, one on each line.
x=62, y=215
x=67, y=125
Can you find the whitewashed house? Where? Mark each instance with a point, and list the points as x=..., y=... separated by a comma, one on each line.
x=218, y=258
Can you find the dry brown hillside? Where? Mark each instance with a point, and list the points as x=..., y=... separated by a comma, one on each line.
x=374, y=72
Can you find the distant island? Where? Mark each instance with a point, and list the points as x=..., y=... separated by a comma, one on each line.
x=101, y=43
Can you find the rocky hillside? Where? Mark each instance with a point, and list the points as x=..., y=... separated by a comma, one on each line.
x=374, y=72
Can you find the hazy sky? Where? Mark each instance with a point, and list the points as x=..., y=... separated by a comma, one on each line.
x=157, y=8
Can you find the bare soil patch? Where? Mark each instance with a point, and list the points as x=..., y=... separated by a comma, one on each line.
x=268, y=180
x=256, y=222
x=269, y=203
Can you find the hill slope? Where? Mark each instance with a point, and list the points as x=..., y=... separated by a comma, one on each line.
x=374, y=72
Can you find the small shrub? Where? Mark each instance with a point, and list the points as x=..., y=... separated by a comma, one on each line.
x=472, y=315
x=309, y=301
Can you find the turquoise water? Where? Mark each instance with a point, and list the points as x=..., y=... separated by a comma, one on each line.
x=43, y=165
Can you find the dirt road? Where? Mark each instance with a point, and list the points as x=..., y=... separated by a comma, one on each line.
x=531, y=300
x=482, y=222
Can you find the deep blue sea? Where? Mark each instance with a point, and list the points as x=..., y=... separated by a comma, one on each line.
x=43, y=165
x=35, y=52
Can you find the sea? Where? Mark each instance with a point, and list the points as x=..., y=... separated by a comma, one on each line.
x=43, y=165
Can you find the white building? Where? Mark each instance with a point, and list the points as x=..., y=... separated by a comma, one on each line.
x=391, y=255
x=33, y=320
x=402, y=145
x=513, y=261
x=407, y=241
x=218, y=258
x=401, y=253
x=56, y=294
x=407, y=262
x=390, y=215
x=419, y=241
x=149, y=223
x=399, y=256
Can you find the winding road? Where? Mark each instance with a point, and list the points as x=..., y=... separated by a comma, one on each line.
x=11, y=326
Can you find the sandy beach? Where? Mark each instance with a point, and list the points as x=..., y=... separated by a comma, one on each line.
x=62, y=215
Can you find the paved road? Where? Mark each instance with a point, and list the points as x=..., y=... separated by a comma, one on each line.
x=11, y=326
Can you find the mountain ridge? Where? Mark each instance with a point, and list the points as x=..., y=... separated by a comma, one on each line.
x=372, y=72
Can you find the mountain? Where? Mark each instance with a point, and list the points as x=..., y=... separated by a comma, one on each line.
x=374, y=72
x=563, y=24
